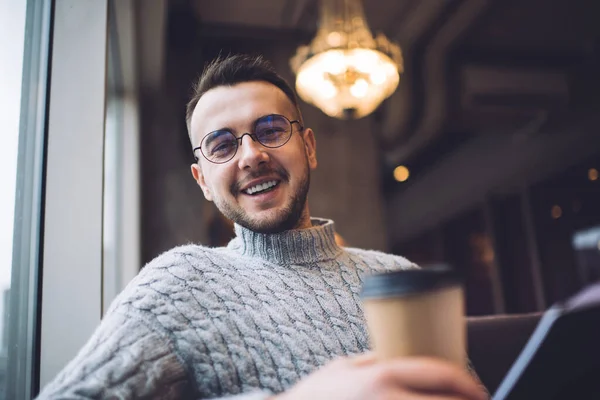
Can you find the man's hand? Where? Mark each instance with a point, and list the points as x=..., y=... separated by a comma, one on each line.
x=362, y=378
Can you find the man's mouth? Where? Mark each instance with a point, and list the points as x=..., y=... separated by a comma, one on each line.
x=261, y=188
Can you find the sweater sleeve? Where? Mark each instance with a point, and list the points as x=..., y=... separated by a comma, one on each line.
x=124, y=359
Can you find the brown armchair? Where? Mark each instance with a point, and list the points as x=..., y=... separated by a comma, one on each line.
x=494, y=342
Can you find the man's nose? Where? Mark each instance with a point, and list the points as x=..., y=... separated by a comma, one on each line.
x=252, y=153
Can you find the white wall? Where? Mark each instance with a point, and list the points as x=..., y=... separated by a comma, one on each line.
x=72, y=256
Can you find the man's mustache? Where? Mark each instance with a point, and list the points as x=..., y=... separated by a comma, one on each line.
x=260, y=173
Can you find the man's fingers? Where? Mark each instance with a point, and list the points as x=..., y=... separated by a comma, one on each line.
x=433, y=376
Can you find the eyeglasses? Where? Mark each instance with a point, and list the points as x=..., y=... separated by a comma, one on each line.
x=271, y=131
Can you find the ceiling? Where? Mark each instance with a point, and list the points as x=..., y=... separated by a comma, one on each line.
x=539, y=25
x=259, y=13
x=471, y=66
x=291, y=14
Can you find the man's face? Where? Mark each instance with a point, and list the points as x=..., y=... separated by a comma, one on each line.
x=236, y=108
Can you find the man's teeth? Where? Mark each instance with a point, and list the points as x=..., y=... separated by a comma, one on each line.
x=261, y=187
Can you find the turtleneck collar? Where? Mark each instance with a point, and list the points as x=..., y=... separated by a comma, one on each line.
x=298, y=246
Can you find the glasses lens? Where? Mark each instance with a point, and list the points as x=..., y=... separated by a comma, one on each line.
x=219, y=146
x=273, y=130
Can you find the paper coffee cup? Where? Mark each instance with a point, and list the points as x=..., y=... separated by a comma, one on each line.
x=418, y=312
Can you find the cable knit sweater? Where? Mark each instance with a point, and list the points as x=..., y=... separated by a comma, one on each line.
x=237, y=322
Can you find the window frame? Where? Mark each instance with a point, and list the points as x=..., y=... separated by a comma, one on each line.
x=23, y=321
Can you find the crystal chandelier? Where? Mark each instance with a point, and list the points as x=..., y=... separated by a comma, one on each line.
x=345, y=71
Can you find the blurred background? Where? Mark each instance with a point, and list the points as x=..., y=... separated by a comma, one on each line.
x=485, y=157
x=495, y=126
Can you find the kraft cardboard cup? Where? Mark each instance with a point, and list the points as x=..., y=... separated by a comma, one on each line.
x=417, y=312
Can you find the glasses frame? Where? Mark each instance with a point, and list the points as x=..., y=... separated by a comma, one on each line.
x=238, y=140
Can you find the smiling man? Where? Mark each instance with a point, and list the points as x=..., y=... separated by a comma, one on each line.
x=265, y=316
x=259, y=180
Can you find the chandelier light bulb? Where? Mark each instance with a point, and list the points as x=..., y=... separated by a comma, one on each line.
x=328, y=90
x=378, y=77
x=334, y=39
x=359, y=89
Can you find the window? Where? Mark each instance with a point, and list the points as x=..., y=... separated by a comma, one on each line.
x=12, y=25
x=24, y=33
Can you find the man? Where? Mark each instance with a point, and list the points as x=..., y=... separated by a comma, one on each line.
x=264, y=316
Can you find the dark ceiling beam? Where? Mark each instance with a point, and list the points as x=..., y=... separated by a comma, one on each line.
x=400, y=108
x=516, y=89
x=435, y=71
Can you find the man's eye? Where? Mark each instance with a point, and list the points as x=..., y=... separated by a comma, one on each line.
x=223, y=147
x=270, y=132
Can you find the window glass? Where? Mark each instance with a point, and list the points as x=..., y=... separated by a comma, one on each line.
x=12, y=38
x=24, y=35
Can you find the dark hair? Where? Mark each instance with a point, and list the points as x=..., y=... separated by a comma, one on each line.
x=233, y=69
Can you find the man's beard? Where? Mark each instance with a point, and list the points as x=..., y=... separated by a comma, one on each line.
x=284, y=219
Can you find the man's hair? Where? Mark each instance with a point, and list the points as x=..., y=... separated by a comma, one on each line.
x=234, y=69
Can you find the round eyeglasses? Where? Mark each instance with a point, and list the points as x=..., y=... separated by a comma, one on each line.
x=271, y=131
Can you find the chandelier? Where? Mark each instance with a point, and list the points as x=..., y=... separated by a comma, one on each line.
x=345, y=71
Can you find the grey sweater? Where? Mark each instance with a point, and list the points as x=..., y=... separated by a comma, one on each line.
x=238, y=322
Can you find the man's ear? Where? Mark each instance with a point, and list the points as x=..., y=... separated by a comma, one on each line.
x=199, y=178
x=310, y=147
